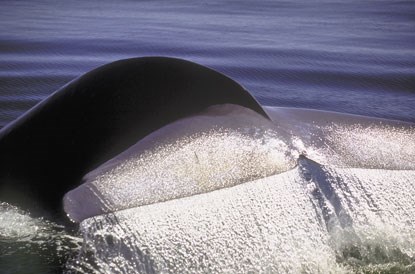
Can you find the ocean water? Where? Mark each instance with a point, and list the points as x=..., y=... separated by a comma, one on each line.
x=347, y=56
x=354, y=57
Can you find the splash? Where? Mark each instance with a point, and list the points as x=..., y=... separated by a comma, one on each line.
x=33, y=245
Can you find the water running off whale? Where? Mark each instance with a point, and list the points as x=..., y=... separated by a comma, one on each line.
x=221, y=147
x=172, y=167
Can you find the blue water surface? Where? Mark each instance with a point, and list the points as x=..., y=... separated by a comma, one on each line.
x=347, y=56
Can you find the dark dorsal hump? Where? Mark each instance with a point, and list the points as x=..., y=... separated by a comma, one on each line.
x=45, y=152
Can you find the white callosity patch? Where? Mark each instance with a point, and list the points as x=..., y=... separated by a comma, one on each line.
x=263, y=226
x=191, y=156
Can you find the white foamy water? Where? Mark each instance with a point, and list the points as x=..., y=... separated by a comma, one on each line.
x=17, y=224
x=33, y=245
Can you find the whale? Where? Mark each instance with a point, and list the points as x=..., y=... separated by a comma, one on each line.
x=47, y=151
x=227, y=145
x=161, y=165
x=148, y=130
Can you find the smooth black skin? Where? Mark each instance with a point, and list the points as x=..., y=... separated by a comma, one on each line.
x=46, y=152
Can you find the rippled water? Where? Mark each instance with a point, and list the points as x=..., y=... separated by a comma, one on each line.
x=347, y=56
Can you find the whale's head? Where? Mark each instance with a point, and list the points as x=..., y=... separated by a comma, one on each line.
x=221, y=147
